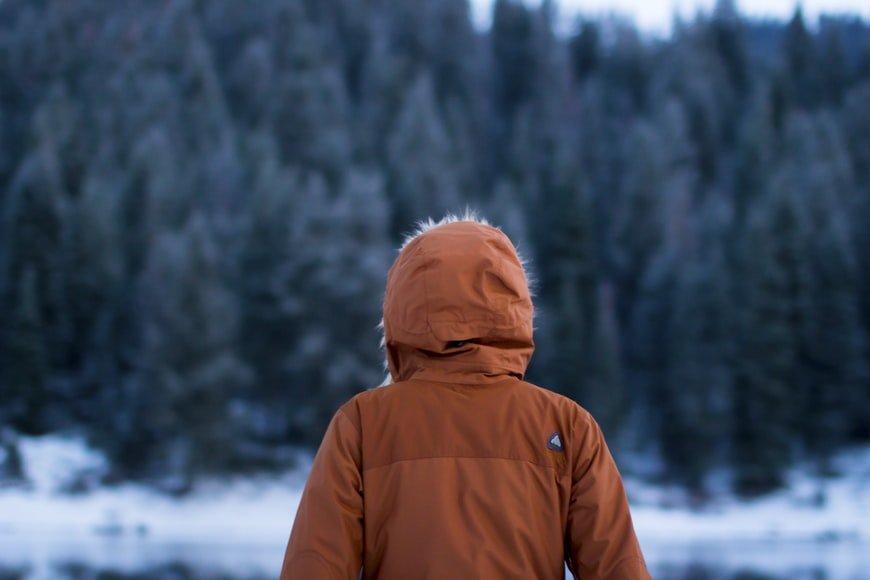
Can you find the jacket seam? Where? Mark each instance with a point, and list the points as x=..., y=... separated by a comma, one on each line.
x=475, y=364
x=317, y=557
x=535, y=463
x=574, y=567
x=622, y=561
x=510, y=379
x=490, y=321
x=347, y=418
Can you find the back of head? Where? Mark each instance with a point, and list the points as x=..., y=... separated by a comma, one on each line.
x=457, y=306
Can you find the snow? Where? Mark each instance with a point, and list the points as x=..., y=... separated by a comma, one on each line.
x=795, y=514
x=238, y=526
x=219, y=511
x=657, y=16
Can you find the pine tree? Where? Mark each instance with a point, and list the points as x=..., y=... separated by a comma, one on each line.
x=646, y=372
x=512, y=45
x=832, y=343
x=451, y=48
x=856, y=122
x=833, y=65
x=298, y=237
x=650, y=209
x=311, y=111
x=421, y=160
x=267, y=282
x=728, y=35
x=626, y=71
x=25, y=364
x=756, y=151
x=771, y=312
x=800, y=61
x=585, y=50
x=694, y=419
x=337, y=275
x=94, y=270
x=606, y=396
x=32, y=229
x=568, y=276
x=347, y=276
x=506, y=209
x=302, y=137
x=856, y=131
x=179, y=405
x=832, y=394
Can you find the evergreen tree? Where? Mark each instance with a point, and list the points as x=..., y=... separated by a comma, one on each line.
x=585, y=47
x=651, y=208
x=564, y=241
x=646, y=373
x=606, y=397
x=384, y=91
x=832, y=343
x=856, y=131
x=771, y=313
x=94, y=270
x=833, y=394
x=311, y=104
x=25, y=365
x=856, y=122
x=728, y=35
x=180, y=423
x=269, y=308
x=626, y=70
x=343, y=237
x=756, y=151
x=421, y=159
x=347, y=275
x=513, y=51
x=800, y=61
x=167, y=166
x=299, y=237
x=451, y=48
x=694, y=412
x=33, y=222
x=832, y=66
x=506, y=209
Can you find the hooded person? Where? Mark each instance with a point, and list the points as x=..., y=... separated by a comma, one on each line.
x=459, y=468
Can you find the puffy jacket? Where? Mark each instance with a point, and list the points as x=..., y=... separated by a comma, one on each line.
x=460, y=469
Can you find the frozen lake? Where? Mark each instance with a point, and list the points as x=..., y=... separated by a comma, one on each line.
x=128, y=558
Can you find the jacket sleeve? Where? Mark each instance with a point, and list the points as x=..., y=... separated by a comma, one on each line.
x=600, y=538
x=327, y=536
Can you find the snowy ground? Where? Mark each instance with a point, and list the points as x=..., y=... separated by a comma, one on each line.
x=794, y=514
x=239, y=527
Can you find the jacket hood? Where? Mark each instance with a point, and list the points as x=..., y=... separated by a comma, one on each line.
x=457, y=306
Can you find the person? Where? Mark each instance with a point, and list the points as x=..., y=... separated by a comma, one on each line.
x=460, y=469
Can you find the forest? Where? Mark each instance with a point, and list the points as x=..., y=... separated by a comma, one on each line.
x=200, y=199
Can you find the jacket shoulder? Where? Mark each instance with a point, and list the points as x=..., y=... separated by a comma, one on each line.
x=352, y=408
x=526, y=389
x=562, y=404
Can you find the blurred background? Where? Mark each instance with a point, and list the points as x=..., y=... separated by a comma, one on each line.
x=199, y=201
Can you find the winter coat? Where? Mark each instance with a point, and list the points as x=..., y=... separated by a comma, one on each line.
x=460, y=469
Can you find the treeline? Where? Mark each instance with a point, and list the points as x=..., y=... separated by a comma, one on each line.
x=199, y=201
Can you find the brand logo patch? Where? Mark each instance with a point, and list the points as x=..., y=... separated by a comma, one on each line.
x=555, y=442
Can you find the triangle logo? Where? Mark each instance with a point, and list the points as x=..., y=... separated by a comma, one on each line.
x=555, y=442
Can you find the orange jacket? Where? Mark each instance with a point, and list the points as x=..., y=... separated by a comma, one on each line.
x=460, y=469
